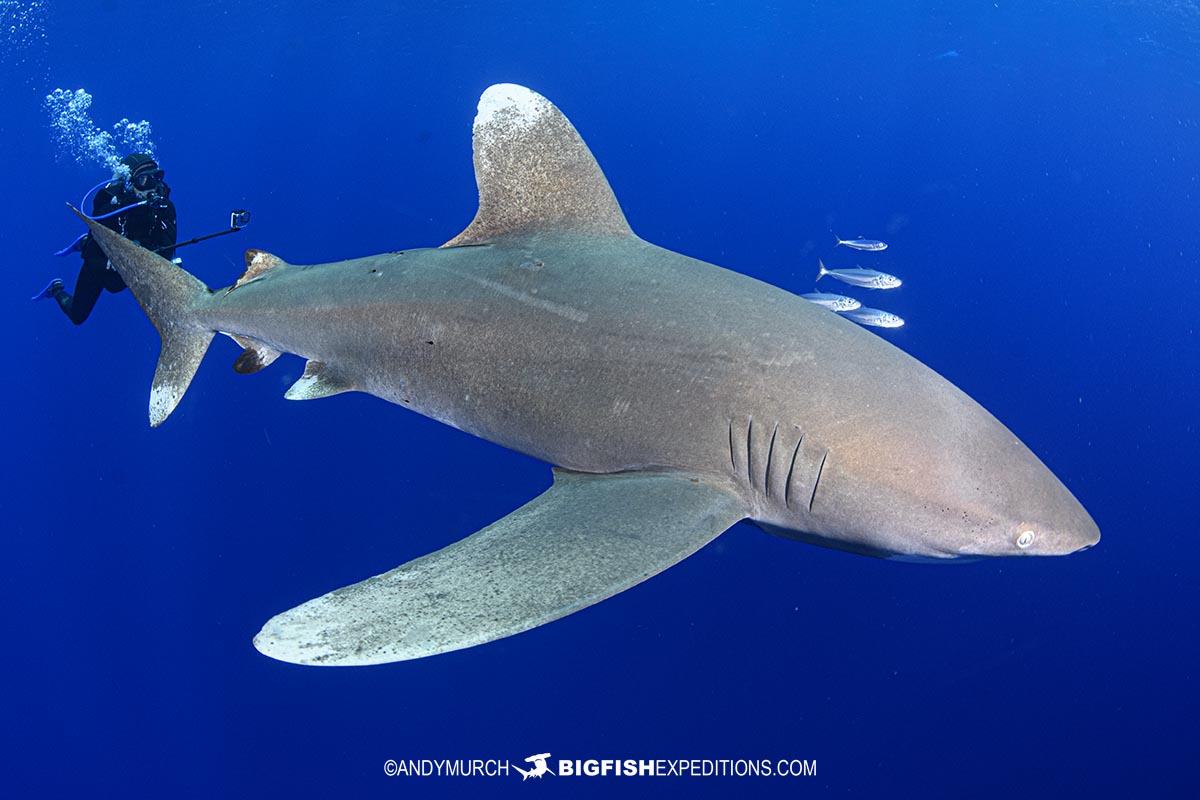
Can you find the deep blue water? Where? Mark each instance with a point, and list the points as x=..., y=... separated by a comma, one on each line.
x=1039, y=191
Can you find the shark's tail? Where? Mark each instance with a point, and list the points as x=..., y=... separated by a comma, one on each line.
x=168, y=295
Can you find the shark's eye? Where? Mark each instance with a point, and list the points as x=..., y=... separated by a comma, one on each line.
x=1025, y=539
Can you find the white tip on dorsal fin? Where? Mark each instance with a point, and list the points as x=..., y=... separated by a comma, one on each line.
x=534, y=172
x=258, y=264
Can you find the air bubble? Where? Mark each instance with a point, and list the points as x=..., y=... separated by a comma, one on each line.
x=78, y=137
x=23, y=34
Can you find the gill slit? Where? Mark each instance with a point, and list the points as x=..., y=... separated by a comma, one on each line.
x=732, y=463
x=817, y=481
x=787, y=487
x=770, y=454
x=750, y=452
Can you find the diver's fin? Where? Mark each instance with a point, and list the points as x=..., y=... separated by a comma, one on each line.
x=254, y=357
x=258, y=263
x=586, y=538
x=168, y=295
x=316, y=382
x=534, y=172
x=51, y=289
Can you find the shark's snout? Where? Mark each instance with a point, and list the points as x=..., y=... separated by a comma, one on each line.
x=894, y=488
x=1052, y=522
x=1089, y=538
x=1083, y=536
x=1048, y=539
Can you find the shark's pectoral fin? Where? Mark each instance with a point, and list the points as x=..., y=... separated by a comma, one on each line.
x=586, y=538
x=535, y=173
x=318, y=381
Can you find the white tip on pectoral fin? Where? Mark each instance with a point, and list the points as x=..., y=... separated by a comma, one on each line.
x=586, y=538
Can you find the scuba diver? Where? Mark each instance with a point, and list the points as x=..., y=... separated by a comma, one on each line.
x=139, y=208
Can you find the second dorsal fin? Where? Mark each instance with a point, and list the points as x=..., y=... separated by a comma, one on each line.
x=258, y=264
x=535, y=173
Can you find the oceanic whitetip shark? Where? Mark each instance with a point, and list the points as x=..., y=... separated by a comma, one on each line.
x=675, y=399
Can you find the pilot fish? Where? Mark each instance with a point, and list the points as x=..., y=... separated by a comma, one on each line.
x=857, y=276
x=861, y=244
x=834, y=302
x=873, y=317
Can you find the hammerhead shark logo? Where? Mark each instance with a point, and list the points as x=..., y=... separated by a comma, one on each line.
x=676, y=398
x=539, y=767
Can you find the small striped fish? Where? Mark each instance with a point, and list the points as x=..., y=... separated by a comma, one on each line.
x=861, y=244
x=857, y=276
x=834, y=302
x=873, y=317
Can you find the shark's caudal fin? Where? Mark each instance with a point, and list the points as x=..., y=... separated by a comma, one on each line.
x=168, y=295
x=586, y=538
x=534, y=172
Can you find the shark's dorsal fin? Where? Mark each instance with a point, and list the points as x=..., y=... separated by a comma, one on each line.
x=535, y=173
x=258, y=263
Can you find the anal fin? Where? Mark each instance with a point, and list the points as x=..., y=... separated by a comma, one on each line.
x=586, y=538
x=255, y=356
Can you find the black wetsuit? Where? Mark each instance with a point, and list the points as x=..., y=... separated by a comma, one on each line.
x=152, y=226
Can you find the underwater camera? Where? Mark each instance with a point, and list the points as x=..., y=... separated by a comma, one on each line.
x=239, y=218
